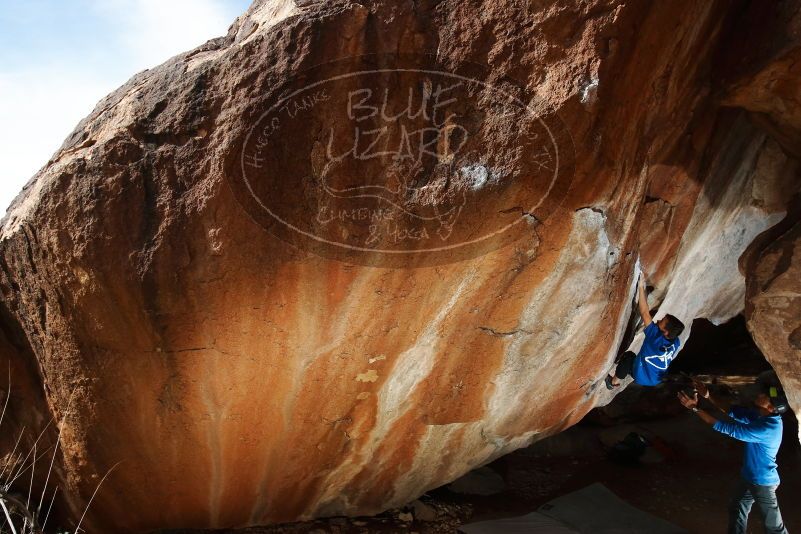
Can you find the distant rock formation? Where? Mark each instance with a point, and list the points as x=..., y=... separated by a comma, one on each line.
x=352, y=250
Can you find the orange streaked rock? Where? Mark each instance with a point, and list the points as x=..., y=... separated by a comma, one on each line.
x=245, y=365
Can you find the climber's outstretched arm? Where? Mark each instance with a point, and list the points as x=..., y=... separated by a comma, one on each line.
x=642, y=302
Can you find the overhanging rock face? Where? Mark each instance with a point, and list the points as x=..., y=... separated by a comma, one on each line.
x=352, y=250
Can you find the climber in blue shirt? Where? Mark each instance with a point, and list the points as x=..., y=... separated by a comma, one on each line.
x=761, y=430
x=649, y=366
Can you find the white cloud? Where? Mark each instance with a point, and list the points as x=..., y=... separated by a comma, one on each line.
x=152, y=31
x=39, y=106
x=41, y=102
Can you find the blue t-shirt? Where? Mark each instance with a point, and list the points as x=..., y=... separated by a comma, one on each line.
x=762, y=435
x=654, y=358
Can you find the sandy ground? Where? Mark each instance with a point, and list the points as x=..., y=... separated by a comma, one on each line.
x=689, y=483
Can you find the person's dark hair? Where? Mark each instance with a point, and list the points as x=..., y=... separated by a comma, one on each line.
x=674, y=326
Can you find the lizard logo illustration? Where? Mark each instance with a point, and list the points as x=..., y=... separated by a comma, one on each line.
x=425, y=186
x=662, y=361
x=390, y=160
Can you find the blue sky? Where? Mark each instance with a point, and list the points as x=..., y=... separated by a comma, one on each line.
x=59, y=57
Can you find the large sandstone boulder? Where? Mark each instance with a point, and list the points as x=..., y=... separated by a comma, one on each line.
x=773, y=305
x=350, y=251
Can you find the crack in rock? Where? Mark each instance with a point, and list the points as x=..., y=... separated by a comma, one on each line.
x=498, y=333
